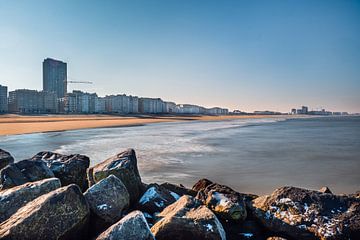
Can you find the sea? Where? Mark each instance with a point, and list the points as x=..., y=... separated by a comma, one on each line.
x=249, y=155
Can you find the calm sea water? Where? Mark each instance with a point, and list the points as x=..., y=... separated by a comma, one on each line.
x=250, y=155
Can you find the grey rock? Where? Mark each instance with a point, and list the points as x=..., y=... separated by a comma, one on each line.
x=5, y=158
x=22, y=172
x=123, y=166
x=224, y=201
x=156, y=198
x=307, y=214
x=108, y=199
x=188, y=219
x=14, y=198
x=68, y=168
x=325, y=190
x=60, y=214
x=132, y=227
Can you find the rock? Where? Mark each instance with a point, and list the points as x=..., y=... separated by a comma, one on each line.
x=22, y=172
x=14, y=198
x=123, y=166
x=355, y=195
x=5, y=158
x=248, y=229
x=68, y=168
x=156, y=198
x=188, y=219
x=223, y=201
x=107, y=201
x=132, y=226
x=201, y=184
x=60, y=214
x=307, y=214
x=275, y=238
x=325, y=190
x=179, y=190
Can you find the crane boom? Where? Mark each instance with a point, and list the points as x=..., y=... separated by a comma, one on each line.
x=86, y=82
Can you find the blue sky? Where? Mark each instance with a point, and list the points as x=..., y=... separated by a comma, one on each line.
x=247, y=55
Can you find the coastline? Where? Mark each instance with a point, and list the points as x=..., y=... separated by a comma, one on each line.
x=19, y=124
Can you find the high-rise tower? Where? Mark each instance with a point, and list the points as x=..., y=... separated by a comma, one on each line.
x=55, y=77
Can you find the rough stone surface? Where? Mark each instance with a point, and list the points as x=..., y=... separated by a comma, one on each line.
x=14, y=198
x=22, y=172
x=188, y=219
x=201, y=184
x=108, y=199
x=179, y=189
x=306, y=214
x=325, y=190
x=5, y=158
x=60, y=214
x=68, y=168
x=123, y=166
x=275, y=238
x=156, y=198
x=249, y=229
x=132, y=226
x=224, y=201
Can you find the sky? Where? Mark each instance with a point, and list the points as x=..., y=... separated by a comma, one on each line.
x=246, y=55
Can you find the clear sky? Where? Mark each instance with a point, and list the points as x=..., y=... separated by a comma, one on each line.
x=247, y=55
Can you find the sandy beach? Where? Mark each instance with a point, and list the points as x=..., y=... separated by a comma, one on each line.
x=18, y=124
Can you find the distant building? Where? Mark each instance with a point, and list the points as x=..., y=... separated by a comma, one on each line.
x=217, y=111
x=80, y=102
x=100, y=105
x=293, y=111
x=32, y=101
x=266, y=113
x=3, y=99
x=170, y=107
x=133, y=104
x=304, y=110
x=151, y=105
x=189, y=109
x=55, y=77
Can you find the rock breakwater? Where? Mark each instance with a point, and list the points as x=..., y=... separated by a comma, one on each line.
x=54, y=196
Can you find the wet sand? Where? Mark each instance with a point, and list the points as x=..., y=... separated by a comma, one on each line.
x=18, y=124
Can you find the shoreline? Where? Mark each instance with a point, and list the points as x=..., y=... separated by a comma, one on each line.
x=20, y=124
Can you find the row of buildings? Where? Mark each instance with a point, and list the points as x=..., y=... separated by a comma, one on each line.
x=54, y=98
x=82, y=102
x=33, y=101
x=304, y=110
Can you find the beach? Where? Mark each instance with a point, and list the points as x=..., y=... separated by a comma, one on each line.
x=12, y=124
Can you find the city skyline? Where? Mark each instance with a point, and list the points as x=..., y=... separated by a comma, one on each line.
x=274, y=57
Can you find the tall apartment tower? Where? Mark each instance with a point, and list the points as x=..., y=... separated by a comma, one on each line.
x=55, y=77
x=3, y=99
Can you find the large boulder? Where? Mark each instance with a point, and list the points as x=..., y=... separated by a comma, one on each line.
x=188, y=219
x=123, y=166
x=22, y=172
x=223, y=201
x=60, y=214
x=306, y=214
x=156, y=198
x=107, y=201
x=5, y=158
x=132, y=226
x=68, y=168
x=14, y=198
